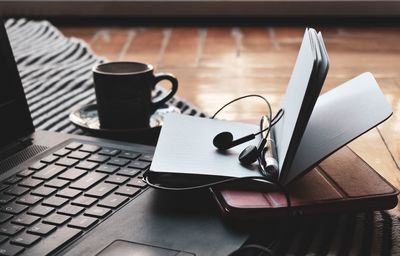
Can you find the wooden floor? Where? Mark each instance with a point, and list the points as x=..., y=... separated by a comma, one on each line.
x=217, y=64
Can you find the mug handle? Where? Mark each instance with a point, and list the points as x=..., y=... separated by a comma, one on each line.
x=174, y=88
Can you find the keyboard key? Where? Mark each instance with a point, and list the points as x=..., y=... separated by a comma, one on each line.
x=129, y=155
x=29, y=199
x=101, y=190
x=116, y=179
x=43, y=191
x=49, y=172
x=57, y=183
x=147, y=157
x=55, y=201
x=55, y=240
x=83, y=222
x=16, y=191
x=69, y=193
x=37, y=166
x=3, y=238
x=107, y=168
x=84, y=201
x=89, y=148
x=10, y=250
x=4, y=199
x=98, y=212
x=13, y=180
x=41, y=210
x=10, y=229
x=137, y=183
x=98, y=158
x=128, y=172
x=72, y=174
x=25, y=173
x=113, y=201
x=4, y=217
x=68, y=162
x=13, y=208
x=30, y=183
x=78, y=155
x=49, y=159
x=118, y=162
x=109, y=152
x=57, y=219
x=25, y=239
x=127, y=191
x=139, y=165
x=86, y=165
x=25, y=219
x=41, y=229
x=73, y=145
x=88, y=180
x=62, y=152
x=71, y=210
x=3, y=187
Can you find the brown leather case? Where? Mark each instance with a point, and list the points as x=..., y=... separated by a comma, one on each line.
x=343, y=182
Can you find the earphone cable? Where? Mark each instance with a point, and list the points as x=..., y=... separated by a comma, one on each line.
x=207, y=185
x=243, y=97
x=273, y=121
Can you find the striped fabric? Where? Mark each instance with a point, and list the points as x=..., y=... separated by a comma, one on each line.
x=56, y=75
x=369, y=233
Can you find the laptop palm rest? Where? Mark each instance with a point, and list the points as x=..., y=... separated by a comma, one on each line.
x=125, y=248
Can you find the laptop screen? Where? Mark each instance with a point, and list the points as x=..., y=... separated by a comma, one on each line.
x=15, y=119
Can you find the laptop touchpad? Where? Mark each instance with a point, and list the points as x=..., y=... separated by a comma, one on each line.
x=126, y=248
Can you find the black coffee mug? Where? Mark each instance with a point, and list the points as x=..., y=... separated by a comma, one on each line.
x=123, y=92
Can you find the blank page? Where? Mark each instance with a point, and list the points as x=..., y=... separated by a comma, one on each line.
x=340, y=115
x=185, y=147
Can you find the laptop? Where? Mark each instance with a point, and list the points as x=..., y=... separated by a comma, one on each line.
x=64, y=194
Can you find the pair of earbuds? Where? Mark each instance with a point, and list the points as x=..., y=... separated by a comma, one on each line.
x=225, y=141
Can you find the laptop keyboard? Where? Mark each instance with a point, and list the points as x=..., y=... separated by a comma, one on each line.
x=65, y=194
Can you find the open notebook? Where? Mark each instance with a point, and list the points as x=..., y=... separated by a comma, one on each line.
x=312, y=127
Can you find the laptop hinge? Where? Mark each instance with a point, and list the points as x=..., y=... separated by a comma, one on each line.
x=14, y=147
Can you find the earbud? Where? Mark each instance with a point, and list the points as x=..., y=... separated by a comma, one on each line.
x=224, y=140
x=250, y=154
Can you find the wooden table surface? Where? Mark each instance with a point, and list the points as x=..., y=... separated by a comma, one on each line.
x=217, y=64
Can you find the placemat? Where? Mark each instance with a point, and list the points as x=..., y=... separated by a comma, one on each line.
x=56, y=75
